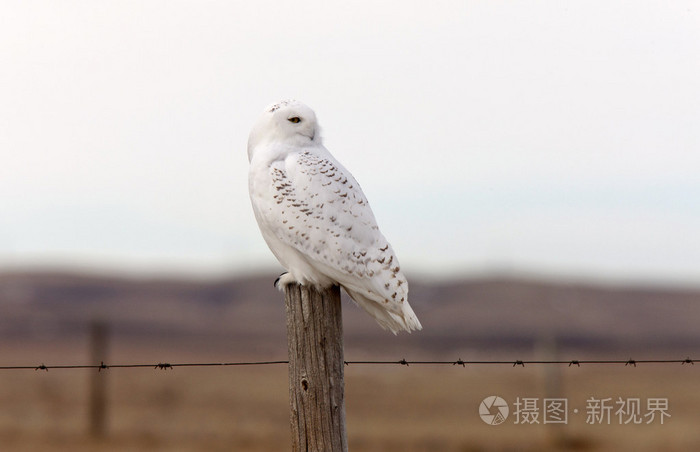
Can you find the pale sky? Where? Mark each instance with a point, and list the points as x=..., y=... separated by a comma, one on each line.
x=552, y=138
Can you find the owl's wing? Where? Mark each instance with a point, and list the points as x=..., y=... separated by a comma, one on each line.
x=319, y=209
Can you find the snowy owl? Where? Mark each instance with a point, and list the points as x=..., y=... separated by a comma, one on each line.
x=316, y=220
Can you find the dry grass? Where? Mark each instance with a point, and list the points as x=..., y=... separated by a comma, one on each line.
x=388, y=409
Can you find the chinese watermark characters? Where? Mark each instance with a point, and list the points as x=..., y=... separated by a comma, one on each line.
x=598, y=411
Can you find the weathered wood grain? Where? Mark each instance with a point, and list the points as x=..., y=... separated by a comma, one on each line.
x=316, y=386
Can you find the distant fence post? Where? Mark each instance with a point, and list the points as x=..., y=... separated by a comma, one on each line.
x=98, y=389
x=316, y=385
x=546, y=349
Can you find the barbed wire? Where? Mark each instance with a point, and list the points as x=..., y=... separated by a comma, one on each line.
x=403, y=362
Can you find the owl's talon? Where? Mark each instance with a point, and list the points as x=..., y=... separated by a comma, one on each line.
x=279, y=278
x=284, y=280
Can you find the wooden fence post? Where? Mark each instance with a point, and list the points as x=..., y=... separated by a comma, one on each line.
x=98, y=390
x=316, y=385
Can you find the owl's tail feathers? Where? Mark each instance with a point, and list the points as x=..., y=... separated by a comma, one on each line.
x=405, y=320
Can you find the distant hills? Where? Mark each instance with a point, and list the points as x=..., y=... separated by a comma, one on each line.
x=461, y=318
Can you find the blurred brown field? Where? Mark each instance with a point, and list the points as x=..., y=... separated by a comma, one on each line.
x=47, y=318
x=395, y=408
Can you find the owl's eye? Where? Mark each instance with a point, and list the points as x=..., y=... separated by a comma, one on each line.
x=294, y=119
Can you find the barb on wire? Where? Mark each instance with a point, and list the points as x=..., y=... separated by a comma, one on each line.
x=403, y=362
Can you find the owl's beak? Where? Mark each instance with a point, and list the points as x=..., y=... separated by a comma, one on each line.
x=312, y=135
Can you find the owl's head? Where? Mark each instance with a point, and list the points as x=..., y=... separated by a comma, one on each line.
x=289, y=122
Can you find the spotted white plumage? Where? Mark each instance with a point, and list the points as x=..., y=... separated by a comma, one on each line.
x=316, y=220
